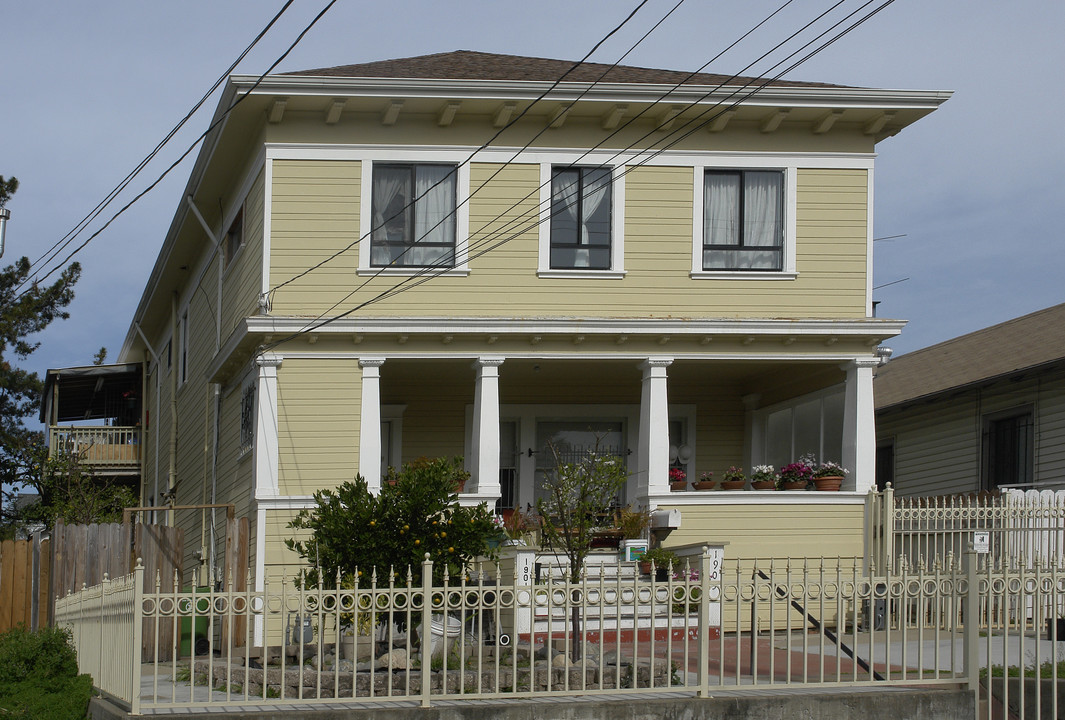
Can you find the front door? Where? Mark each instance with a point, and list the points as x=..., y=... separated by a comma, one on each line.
x=571, y=441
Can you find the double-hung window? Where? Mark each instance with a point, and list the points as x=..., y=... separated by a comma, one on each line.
x=581, y=209
x=743, y=220
x=413, y=215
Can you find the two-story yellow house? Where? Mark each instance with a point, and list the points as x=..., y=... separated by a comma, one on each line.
x=478, y=255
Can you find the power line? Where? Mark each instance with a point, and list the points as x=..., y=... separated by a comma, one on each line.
x=470, y=157
x=697, y=122
x=484, y=145
x=517, y=153
x=95, y=212
x=185, y=154
x=424, y=276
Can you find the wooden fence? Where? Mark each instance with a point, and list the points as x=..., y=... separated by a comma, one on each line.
x=25, y=567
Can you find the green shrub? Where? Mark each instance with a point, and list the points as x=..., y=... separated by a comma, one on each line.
x=39, y=676
x=355, y=534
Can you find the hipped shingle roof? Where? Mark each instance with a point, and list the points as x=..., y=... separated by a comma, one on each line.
x=472, y=65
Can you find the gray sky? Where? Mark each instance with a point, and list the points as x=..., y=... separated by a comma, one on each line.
x=90, y=88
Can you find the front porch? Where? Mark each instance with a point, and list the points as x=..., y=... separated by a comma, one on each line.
x=508, y=416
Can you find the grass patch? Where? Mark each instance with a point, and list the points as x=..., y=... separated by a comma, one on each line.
x=1046, y=670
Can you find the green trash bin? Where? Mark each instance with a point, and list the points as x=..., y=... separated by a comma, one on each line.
x=200, y=642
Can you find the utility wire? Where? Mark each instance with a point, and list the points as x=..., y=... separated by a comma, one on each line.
x=95, y=212
x=470, y=157
x=518, y=152
x=185, y=154
x=419, y=278
x=485, y=183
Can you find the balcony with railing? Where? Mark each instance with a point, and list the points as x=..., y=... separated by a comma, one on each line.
x=94, y=414
x=110, y=447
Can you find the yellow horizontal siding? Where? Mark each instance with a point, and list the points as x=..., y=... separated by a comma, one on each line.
x=315, y=214
x=318, y=408
x=780, y=530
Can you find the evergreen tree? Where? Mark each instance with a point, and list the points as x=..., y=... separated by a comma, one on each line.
x=24, y=311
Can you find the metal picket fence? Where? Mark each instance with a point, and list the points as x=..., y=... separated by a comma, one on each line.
x=710, y=626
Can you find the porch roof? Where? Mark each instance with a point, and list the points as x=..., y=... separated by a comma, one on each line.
x=88, y=392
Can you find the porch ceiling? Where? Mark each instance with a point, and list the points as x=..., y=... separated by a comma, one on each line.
x=523, y=380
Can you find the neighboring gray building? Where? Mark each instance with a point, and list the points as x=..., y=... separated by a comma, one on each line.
x=978, y=412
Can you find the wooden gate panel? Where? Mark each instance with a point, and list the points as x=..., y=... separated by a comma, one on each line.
x=160, y=548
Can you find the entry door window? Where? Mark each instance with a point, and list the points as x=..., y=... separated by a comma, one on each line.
x=508, y=465
x=573, y=441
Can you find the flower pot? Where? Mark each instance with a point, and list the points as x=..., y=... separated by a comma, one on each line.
x=763, y=485
x=829, y=483
x=733, y=484
x=678, y=485
x=645, y=567
x=793, y=485
x=704, y=484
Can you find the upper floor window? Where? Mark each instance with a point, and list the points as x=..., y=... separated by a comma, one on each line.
x=743, y=220
x=413, y=208
x=581, y=208
x=234, y=237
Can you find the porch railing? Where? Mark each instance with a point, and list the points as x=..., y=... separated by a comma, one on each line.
x=707, y=628
x=110, y=445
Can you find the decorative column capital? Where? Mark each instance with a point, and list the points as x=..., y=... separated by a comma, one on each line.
x=488, y=361
x=268, y=361
x=371, y=362
x=650, y=365
x=861, y=362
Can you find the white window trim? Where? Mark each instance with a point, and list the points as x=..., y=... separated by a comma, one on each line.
x=617, y=225
x=230, y=217
x=462, y=218
x=788, y=272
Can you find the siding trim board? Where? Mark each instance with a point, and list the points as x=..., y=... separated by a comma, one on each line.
x=560, y=156
x=869, y=328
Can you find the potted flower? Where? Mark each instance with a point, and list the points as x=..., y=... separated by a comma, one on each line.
x=733, y=479
x=677, y=479
x=829, y=476
x=763, y=477
x=705, y=482
x=662, y=559
x=796, y=475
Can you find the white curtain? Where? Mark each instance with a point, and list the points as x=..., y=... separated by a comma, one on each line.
x=596, y=187
x=762, y=220
x=722, y=198
x=761, y=209
x=387, y=182
x=434, y=185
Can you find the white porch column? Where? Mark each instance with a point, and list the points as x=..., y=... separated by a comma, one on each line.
x=266, y=462
x=859, y=425
x=484, y=465
x=653, y=469
x=370, y=423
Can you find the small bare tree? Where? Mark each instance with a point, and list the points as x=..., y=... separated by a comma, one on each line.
x=578, y=496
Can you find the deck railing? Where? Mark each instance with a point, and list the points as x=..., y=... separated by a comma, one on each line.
x=708, y=627
x=109, y=445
